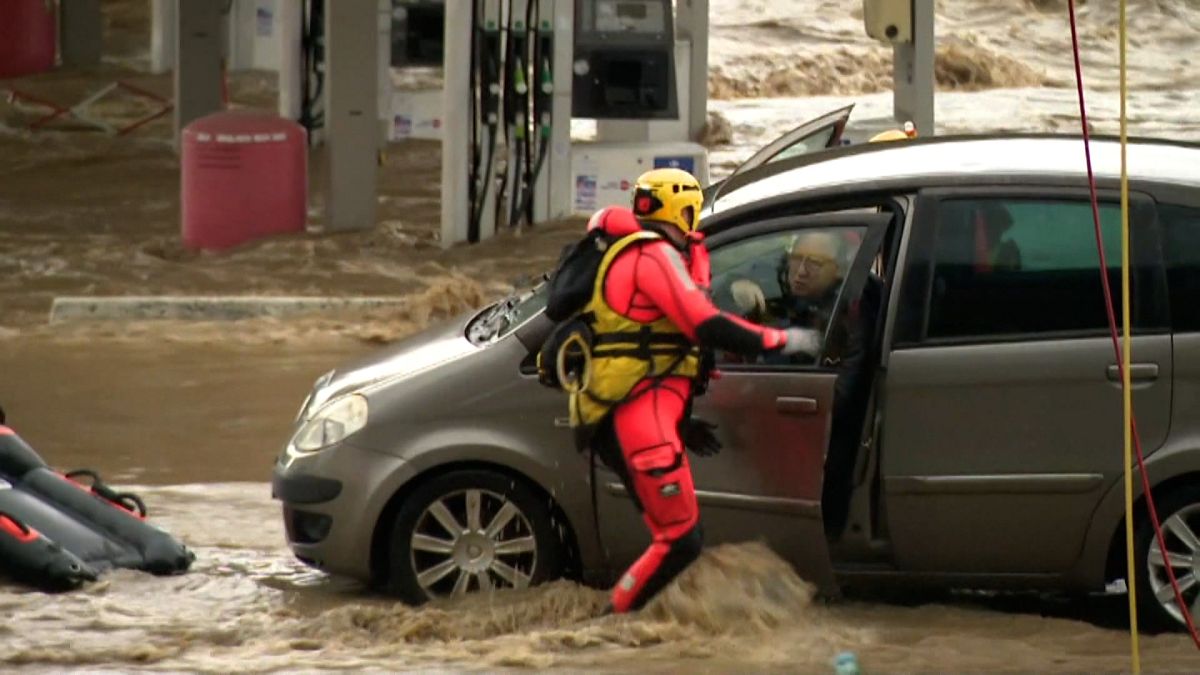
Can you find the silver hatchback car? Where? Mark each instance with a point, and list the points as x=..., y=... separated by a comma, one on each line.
x=986, y=450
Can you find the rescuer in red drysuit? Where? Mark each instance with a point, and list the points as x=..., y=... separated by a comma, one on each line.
x=659, y=286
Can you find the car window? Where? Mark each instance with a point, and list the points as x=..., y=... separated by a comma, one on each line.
x=785, y=279
x=817, y=141
x=1004, y=268
x=1181, y=248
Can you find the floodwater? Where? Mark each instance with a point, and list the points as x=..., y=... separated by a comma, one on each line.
x=191, y=416
x=194, y=428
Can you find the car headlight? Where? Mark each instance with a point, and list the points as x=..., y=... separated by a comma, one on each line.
x=321, y=382
x=332, y=423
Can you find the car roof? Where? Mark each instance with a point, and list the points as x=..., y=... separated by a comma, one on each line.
x=931, y=160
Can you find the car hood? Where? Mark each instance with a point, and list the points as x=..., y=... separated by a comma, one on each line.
x=413, y=355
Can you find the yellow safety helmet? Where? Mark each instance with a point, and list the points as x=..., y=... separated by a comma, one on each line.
x=908, y=132
x=670, y=196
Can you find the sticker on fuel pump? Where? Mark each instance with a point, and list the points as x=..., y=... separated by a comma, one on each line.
x=265, y=21
x=403, y=125
x=686, y=163
x=585, y=192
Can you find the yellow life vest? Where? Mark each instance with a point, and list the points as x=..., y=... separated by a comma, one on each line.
x=625, y=352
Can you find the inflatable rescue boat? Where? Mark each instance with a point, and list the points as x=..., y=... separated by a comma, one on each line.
x=57, y=532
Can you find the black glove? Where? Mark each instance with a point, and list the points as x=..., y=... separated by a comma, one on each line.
x=698, y=437
x=708, y=364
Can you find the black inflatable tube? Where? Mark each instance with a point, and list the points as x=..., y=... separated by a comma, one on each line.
x=79, y=532
x=30, y=557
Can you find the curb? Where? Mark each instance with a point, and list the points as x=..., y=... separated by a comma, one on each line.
x=206, y=308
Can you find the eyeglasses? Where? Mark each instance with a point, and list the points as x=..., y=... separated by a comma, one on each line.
x=811, y=263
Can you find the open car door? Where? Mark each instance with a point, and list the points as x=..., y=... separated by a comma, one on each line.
x=816, y=134
x=773, y=414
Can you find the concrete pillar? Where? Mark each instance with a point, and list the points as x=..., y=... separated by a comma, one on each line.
x=351, y=114
x=197, y=61
x=692, y=20
x=289, y=23
x=163, y=34
x=456, y=123
x=560, y=134
x=81, y=26
x=240, y=27
x=912, y=72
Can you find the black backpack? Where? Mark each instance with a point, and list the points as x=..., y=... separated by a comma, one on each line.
x=574, y=276
x=567, y=350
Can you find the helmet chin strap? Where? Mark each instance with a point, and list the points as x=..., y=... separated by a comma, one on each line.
x=669, y=231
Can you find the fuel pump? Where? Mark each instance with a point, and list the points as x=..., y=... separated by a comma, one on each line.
x=632, y=76
x=542, y=66
x=534, y=66
x=488, y=80
x=516, y=105
x=624, y=60
x=312, y=43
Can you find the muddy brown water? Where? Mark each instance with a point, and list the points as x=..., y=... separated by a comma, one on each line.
x=194, y=428
x=191, y=416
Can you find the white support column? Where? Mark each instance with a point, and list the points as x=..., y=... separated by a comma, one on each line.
x=456, y=123
x=289, y=23
x=559, y=161
x=912, y=71
x=242, y=29
x=693, y=24
x=163, y=34
x=352, y=139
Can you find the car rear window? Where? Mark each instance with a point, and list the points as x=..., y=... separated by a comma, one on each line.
x=1023, y=268
x=1181, y=249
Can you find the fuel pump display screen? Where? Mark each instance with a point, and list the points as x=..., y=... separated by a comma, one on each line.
x=630, y=16
x=624, y=64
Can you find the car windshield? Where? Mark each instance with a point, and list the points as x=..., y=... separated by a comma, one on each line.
x=506, y=315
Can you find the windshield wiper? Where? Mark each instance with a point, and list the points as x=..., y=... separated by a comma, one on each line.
x=497, y=319
x=506, y=311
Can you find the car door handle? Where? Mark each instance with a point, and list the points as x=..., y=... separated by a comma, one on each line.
x=796, y=405
x=1138, y=372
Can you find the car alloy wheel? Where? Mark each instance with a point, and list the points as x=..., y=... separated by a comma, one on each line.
x=1180, y=532
x=472, y=540
x=472, y=530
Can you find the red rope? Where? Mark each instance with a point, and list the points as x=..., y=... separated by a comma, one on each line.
x=1112, y=324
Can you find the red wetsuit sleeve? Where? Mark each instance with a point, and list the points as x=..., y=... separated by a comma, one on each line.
x=661, y=276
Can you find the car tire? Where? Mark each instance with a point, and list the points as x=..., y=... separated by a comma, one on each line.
x=1179, y=512
x=510, y=542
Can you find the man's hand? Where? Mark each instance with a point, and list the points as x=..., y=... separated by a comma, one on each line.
x=698, y=437
x=802, y=341
x=748, y=296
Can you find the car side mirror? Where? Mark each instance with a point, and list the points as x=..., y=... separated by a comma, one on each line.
x=535, y=331
x=529, y=364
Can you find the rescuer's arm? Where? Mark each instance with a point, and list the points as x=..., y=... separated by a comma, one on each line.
x=662, y=276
